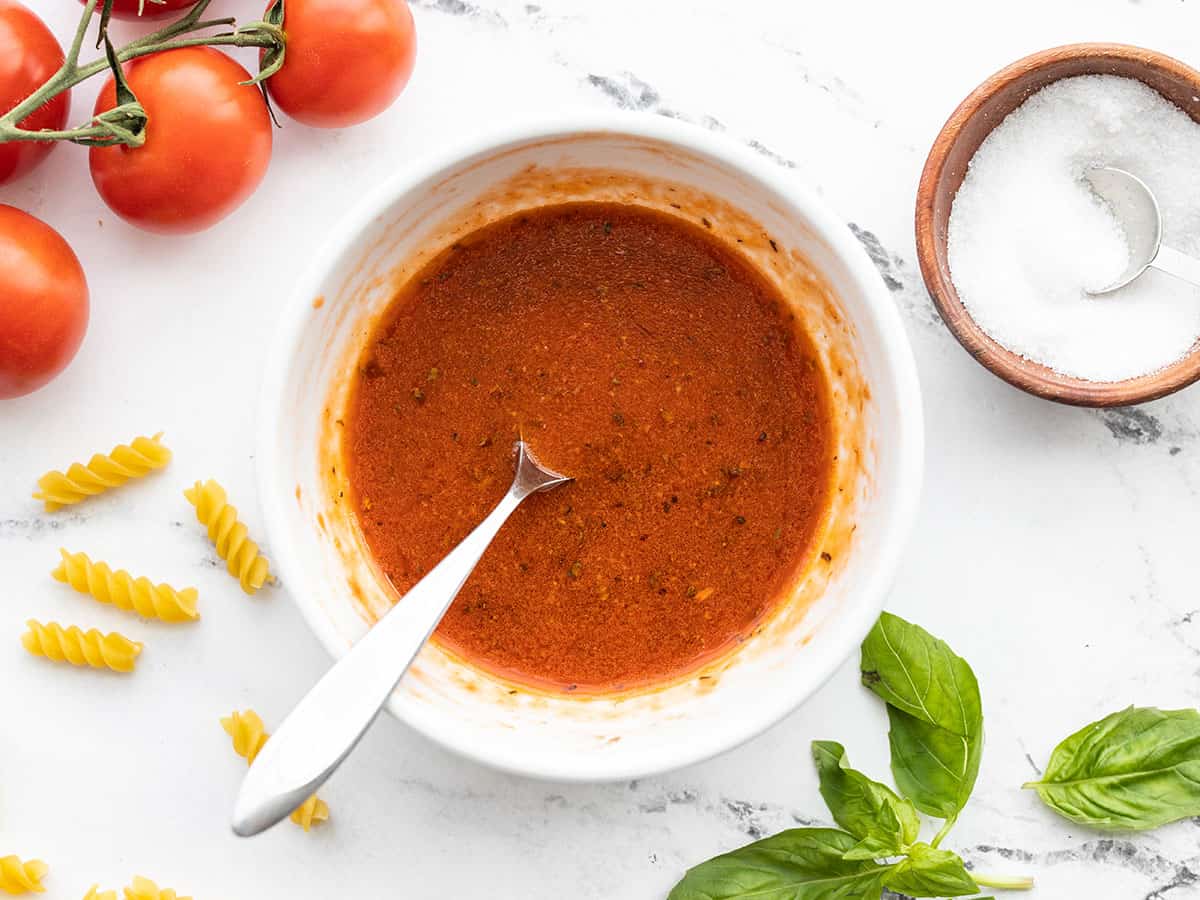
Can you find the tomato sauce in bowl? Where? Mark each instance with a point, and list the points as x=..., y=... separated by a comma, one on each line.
x=651, y=362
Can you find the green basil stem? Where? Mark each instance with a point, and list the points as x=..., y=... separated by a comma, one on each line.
x=1015, y=883
x=71, y=73
x=1021, y=883
x=943, y=831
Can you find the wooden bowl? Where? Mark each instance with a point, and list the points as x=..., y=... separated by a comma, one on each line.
x=946, y=167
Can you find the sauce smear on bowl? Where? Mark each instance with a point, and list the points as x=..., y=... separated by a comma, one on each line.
x=652, y=363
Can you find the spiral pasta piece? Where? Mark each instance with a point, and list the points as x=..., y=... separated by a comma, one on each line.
x=248, y=733
x=145, y=889
x=81, y=648
x=17, y=877
x=125, y=461
x=311, y=812
x=94, y=893
x=229, y=535
x=122, y=590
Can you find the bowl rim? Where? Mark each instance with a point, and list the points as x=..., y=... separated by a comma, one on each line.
x=842, y=632
x=1013, y=368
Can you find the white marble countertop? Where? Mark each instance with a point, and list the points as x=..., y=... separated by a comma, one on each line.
x=1055, y=548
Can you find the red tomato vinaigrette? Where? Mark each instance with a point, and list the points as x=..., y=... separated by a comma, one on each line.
x=646, y=354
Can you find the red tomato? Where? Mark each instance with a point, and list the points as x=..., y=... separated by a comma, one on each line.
x=346, y=60
x=208, y=141
x=29, y=55
x=128, y=9
x=43, y=303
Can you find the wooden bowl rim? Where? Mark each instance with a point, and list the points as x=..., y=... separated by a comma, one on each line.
x=1018, y=371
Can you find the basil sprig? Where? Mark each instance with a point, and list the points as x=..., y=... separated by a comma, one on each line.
x=1135, y=769
x=937, y=740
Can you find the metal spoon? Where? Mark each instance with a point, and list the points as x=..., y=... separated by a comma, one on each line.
x=1137, y=211
x=327, y=723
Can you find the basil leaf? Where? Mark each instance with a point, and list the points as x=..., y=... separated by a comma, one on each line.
x=929, y=872
x=920, y=675
x=935, y=713
x=933, y=767
x=884, y=823
x=798, y=864
x=1135, y=769
x=870, y=848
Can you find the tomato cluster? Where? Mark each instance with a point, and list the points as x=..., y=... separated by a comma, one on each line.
x=203, y=150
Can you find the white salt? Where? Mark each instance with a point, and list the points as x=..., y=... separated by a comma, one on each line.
x=1028, y=237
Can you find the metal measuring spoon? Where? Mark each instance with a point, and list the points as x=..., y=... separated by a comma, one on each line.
x=327, y=723
x=1137, y=212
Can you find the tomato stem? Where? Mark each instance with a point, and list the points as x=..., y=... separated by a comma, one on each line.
x=85, y=133
x=180, y=33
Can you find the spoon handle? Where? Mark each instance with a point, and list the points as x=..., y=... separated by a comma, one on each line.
x=1180, y=265
x=325, y=726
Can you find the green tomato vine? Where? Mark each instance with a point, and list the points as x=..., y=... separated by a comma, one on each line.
x=125, y=123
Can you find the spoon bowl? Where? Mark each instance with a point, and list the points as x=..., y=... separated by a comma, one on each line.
x=1138, y=214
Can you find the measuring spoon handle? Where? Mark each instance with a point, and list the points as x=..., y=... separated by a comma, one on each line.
x=1180, y=265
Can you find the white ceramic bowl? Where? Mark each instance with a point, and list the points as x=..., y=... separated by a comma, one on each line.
x=785, y=230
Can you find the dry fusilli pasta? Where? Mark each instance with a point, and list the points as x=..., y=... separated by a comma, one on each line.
x=311, y=812
x=123, y=462
x=94, y=893
x=122, y=590
x=145, y=889
x=248, y=733
x=18, y=877
x=81, y=648
x=229, y=535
